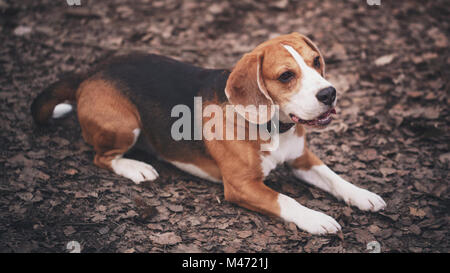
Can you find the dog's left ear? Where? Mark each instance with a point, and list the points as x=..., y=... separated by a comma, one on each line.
x=314, y=47
x=246, y=90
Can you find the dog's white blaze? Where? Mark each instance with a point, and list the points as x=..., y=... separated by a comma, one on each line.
x=304, y=103
x=61, y=110
x=306, y=219
x=290, y=147
x=194, y=170
x=324, y=178
x=132, y=169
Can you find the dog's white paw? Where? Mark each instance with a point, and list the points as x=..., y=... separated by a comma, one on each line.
x=364, y=199
x=318, y=223
x=135, y=170
x=306, y=219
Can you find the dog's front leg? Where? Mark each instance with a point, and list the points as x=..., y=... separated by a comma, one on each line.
x=312, y=170
x=242, y=176
x=255, y=195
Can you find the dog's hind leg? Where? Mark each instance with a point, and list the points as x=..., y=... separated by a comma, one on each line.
x=112, y=158
x=111, y=123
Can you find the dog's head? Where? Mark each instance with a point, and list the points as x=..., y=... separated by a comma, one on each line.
x=287, y=71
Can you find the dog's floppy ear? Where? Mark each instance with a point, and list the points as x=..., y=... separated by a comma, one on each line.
x=246, y=90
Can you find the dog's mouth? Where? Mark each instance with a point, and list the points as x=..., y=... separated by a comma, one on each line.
x=321, y=121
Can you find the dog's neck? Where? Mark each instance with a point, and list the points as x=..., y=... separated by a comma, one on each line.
x=284, y=122
x=282, y=127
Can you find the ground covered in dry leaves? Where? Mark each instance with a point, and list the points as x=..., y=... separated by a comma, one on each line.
x=390, y=64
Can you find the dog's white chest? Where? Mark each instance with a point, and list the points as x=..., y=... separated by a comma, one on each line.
x=290, y=147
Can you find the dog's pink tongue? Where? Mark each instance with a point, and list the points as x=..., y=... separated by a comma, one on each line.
x=294, y=118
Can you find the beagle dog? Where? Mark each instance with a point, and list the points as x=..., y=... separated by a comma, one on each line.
x=127, y=101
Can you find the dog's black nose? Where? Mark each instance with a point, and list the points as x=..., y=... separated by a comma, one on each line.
x=327, y=95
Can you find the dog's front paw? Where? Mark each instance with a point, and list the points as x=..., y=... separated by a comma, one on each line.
x=317, y=223
x=306, y=219
x=364, y=199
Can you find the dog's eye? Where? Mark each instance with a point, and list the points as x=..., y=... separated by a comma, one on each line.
x=317, y=61
x=286, y=76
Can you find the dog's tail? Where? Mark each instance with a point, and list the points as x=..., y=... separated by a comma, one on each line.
x=54, y=101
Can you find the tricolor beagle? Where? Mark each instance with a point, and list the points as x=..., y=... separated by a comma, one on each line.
x=127, y=102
